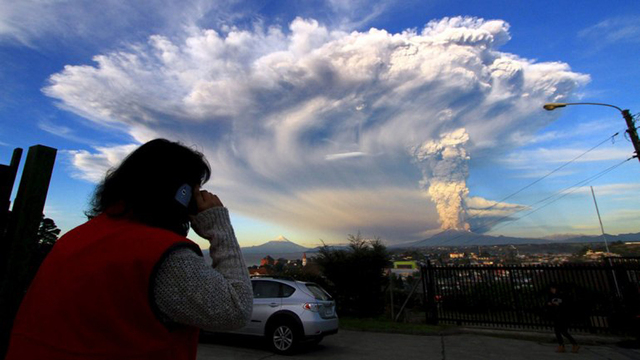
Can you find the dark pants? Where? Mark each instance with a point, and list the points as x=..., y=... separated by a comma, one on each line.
x=560, y=328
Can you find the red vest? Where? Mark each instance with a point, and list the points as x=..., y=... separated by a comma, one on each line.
x=93, y=298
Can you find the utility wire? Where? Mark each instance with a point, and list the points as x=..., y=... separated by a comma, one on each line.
x=576, y=186
x=610, y=138
x=545, y=176
x=581, y=184
x=567, y=191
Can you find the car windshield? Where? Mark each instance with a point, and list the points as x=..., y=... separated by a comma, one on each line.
x=318, y=292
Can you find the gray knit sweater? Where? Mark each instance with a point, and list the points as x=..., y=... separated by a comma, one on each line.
x=217, y=297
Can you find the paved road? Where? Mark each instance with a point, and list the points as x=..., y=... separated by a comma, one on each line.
x=367, y=345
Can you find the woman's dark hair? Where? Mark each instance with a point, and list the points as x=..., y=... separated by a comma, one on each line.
x=144, y=186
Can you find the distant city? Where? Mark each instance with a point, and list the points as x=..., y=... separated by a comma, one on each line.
x=462, y=248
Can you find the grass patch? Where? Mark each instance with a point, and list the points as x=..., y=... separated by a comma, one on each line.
x=388, y=326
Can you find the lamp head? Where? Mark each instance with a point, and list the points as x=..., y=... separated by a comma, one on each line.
x=553, y=106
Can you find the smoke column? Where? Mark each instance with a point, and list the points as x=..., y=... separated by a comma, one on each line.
x=445, y=168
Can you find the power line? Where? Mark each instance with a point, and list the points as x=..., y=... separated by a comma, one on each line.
x=569, y=190
x=576, y=187
x=545, y=176
x=533, y=183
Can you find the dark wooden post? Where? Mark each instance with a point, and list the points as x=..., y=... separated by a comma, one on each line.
x=423, y=278
x=7, y=179
x=431, y=306
x=21, y=235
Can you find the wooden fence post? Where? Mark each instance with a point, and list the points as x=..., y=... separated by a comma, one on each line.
x=7, y=179
x=21, y=235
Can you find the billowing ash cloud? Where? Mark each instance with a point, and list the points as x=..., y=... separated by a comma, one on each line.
x=310, y=127
x=445, y=168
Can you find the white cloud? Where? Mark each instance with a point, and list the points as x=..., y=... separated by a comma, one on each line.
x=62, y=131
x=29, y=21
x=524, y=159
x=270, y=106
x=110, y=23
x=594, y=127
x=530, y=172
x=630, y=216
x=341, y=156
x=611, y=189
x=94, y=166
x=622, y=29
x=616, y=221
x=354, y=14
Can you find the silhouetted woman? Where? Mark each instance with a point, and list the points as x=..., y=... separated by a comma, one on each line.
x=558, y=313
x=128, y=284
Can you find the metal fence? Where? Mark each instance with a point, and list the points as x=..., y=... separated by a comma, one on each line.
x=600, y=297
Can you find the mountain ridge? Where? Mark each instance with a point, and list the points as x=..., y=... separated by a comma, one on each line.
x=445, y=238
x=278, y=246
x=459, y=238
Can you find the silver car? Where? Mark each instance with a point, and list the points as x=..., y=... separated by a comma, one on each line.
x=288, y=312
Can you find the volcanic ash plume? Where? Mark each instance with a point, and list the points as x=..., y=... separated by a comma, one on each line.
x=445, y=167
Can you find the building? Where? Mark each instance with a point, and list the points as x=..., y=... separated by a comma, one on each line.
x=599, y=254
x=405, y=268
x=411, y=264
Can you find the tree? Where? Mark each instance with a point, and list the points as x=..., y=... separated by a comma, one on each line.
x=48, y=232
x=47, y=236
x=583, y=250
x=356, y=276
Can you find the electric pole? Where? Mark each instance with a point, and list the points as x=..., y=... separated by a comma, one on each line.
x=632, y=131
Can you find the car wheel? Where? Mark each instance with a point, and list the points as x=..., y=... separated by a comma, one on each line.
x=283, y=338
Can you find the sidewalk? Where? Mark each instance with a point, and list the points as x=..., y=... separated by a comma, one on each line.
x=469, y=346
x=367, y=345
x=539, y=336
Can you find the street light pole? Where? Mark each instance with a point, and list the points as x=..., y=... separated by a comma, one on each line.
x=631, y=127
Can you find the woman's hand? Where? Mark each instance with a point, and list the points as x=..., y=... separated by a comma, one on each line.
x=205, y=200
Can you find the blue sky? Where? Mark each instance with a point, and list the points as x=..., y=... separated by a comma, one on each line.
x=324, y=118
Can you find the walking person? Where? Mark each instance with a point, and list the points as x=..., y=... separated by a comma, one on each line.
x=128, y=284
x=557, y=310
